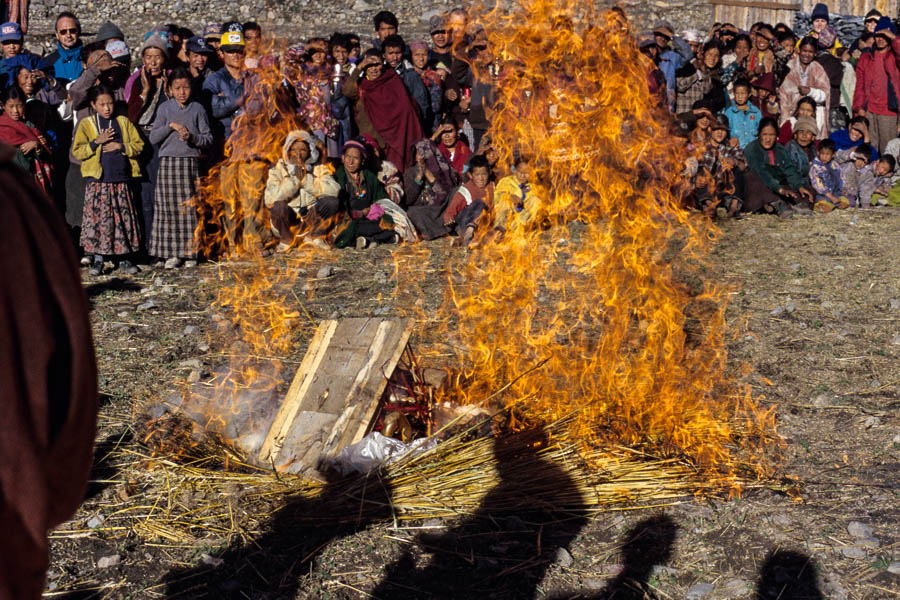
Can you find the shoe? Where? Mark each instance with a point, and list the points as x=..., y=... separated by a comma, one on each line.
x=97, y=266
x=396, y=239
x=468, y=235
x=721, y=212
x=781, y=208
x=127, y=267
x=803, y=208
x=361, y=243
x=823, y=206
x=173, y=263
x=189, y=263
x=86, y=260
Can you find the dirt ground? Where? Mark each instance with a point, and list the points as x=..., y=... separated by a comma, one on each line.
x=819, y=297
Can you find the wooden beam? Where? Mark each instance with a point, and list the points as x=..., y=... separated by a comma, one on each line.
x=752, y=4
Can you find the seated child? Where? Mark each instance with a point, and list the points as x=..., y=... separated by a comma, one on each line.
x=517, y=199
x=858, y=175
x=885, y=180
x=825, y=177
x=471, y=199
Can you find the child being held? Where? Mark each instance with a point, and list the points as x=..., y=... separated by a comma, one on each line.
x=826, y=180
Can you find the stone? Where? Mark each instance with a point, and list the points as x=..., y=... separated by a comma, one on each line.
x=778, y=311
x=564, y=559
x=191, y=330
x=895, y=339
x=794, y=267
x=790, y=306
x=859, y=530
x=191, y=363
x=95, y=522
x=193, y=376
x=698, y=590
x=147, y=305
x=212, y=561
x=659, y=570
x=894, y=304
x=736, y=587
x=204, y=347
x=894, y=568
x=853, y=552
x=871, y=421
x=325, y=272
x=122, y=315
x=593, y=584
x=106, y=562
x=832, y=587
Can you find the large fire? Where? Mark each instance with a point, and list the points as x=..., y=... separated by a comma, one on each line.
x=601, y=313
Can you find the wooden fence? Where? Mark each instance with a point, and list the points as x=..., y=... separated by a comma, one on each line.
x=744, y=13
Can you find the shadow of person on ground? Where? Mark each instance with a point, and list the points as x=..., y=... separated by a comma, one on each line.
x=103, y=469
x=505, y=548
x=114, y=284
x=648, y=544
x=788, y=575
x=273, y=564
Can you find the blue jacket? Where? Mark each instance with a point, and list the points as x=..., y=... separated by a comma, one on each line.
x=10, y=66
x=66, y=63
x=225, y=106
x=841, y=139
x=417, y=91
x=744, y=124
x=672, y=60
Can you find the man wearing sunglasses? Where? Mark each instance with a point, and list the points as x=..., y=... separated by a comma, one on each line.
x=66, y=59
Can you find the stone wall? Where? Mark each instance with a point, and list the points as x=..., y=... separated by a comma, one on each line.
x=300, y=19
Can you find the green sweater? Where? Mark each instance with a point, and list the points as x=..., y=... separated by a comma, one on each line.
x=783, y=173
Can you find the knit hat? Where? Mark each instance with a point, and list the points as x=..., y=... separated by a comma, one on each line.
x=721, y=122
x=117, y=49
x=232, y=40
x=765, y=82
x=437, y=23
x=212, y=31
x=10, y=32
x=885, y=23
x=664, y=28
x=819, y=11
x=109, y=31
x=806, y=124
x=354, y=144
x=645, y=39
x=873, y=15
x=417, y=45
x=156, y=41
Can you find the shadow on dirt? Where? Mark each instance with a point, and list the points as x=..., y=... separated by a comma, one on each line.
x=788, y=575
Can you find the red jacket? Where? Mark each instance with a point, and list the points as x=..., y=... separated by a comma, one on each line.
x=874, y=84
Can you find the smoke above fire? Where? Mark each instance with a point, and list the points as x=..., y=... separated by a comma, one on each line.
x=599, y=311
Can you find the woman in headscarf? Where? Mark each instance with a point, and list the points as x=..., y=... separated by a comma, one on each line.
x=359, y=191
x=430, y=185
x=383, y=108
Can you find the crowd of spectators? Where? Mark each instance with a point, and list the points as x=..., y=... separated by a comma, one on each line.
x=395, y=145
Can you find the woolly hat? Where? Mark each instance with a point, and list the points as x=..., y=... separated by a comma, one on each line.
x=885, y=23
x=109, y=31
x=873, y=15
x=156, y=41
x=819, y=11
x=664, y=28
x=806, y=124
x=354, y=144
x=417, y=45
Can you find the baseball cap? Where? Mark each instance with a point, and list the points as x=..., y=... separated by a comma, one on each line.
x=232, y=40
x=198, y=45
x=213, y=30
x=436, y=23
x=117, y=49
x=10, y=32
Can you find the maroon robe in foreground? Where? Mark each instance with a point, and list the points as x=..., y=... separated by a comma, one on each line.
x=48, y=381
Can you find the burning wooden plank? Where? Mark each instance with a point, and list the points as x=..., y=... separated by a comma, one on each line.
x=334, y=397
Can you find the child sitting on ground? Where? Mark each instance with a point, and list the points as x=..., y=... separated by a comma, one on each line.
x=825, y=177
x=858, y=175
x=517, y=199
x=471, y=199
x=885, y=180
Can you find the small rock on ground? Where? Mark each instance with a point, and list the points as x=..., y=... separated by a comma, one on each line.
x=894, y=568
x=191, y=330
x=563, y=558
x=853, y=552
x=326, y=271
x=699, y=590
x=859, y=530
x=109, y=561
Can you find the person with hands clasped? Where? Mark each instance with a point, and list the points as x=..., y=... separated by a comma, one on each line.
x=107, y=147
x=181, y=130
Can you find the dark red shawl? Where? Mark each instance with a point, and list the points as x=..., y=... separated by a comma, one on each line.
x=393, y=115
x=16, y=133
x=48, y=381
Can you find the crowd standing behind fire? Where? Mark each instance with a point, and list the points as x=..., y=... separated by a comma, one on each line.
x=396, y=147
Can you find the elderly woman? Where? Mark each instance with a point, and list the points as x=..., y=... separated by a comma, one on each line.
x=359, y=191
x=777, y=180
x=383, y=109
x=806, y=78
